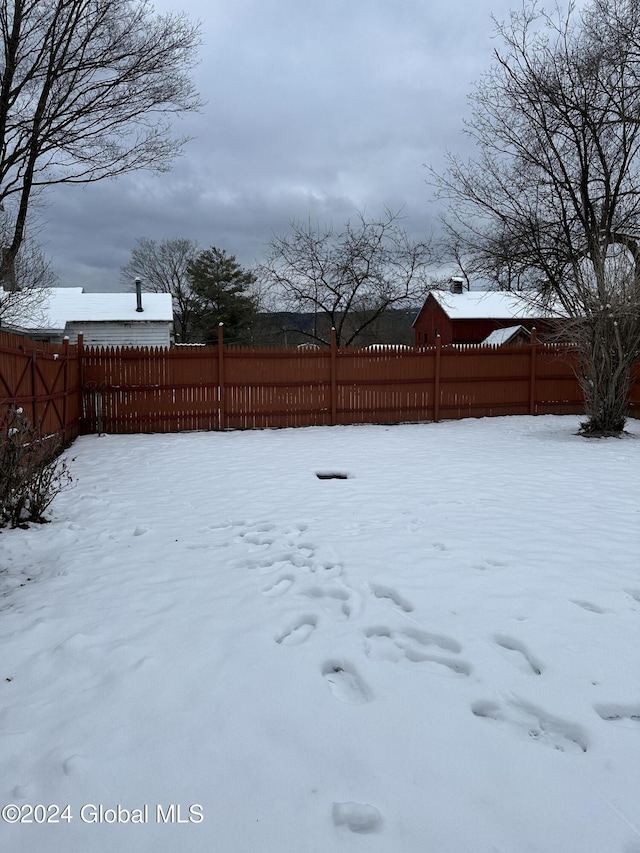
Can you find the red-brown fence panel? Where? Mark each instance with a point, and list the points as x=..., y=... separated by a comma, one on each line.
x=558, y=391
x=210, y=388
x=43, y=379
x=385, y=385
x=276, y=387
x=129, y=390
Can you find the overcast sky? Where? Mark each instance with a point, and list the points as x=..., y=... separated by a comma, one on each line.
x=317, y=108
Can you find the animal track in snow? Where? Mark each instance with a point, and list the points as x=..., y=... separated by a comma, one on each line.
x=409, y=644
x=618, y=712
x=587, y=605
x=392, y=596
x=279, y=586
x=523, y=655
x=357, y=817
x=345, y=683
x=334, y=600
x=298, y=632
x=534, y=723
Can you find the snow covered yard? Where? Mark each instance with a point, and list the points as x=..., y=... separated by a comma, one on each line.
x=438, y=654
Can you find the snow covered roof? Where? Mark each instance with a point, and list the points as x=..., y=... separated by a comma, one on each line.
x=61, y=305
x=502, y=336
x=487, y=304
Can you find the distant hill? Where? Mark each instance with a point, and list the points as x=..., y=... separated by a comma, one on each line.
x=290, y=328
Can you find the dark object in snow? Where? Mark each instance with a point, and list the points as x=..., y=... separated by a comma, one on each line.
x=331, y=475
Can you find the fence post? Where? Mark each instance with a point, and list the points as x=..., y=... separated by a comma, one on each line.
x=65, y=386
x=436, y=384
x=334, y=378
x=34, y=355
x=81, y=415
x=221, y=401
x=532, y=376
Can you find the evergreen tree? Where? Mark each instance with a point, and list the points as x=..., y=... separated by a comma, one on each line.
x=222, y=293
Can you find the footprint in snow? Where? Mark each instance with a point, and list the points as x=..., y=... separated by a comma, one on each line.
x=257, y=539
x=587, y=605
x=297, y=633
x=391, y=595
x=412, y=644
x=488, y=565
x=345, y=683
x=294, y=530
x=532, y=722
x=523, y=658
x=614, y=713
x=357, y=817
x=267, y=565
x=20, y=792
x=334, y=600
x=279, y=586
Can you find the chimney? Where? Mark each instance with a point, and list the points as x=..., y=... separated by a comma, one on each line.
x=456, y=284
x=139, y=295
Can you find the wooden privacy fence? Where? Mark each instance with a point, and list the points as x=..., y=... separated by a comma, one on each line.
x=71, y=389
x=44, y=380
x=213, y=388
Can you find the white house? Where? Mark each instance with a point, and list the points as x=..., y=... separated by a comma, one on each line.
x=105, y=319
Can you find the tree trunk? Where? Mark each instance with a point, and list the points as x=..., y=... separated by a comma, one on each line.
x=606, y=381
x=8, y=279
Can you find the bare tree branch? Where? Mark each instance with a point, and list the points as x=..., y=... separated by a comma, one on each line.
x=86, y=93
x=551, y=201
x=162, y=268
x=350, y=277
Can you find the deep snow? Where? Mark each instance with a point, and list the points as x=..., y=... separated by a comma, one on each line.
x=438, y=654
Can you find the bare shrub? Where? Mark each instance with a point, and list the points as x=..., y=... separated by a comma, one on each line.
x=31, y=470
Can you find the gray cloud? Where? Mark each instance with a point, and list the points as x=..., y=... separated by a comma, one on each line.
x=317, y=109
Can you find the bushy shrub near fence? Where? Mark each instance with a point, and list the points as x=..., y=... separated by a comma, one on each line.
x=31, y=470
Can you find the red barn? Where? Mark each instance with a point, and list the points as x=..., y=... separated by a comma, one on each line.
x=471, y=316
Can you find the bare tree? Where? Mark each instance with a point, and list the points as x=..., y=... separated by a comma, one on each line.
x=162, y=268
x=487, y=257
x=554, y=189
x=350, y=277
x=87, y=89
x=33, y=275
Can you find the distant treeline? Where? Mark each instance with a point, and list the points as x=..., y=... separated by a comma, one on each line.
x=290, y=328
